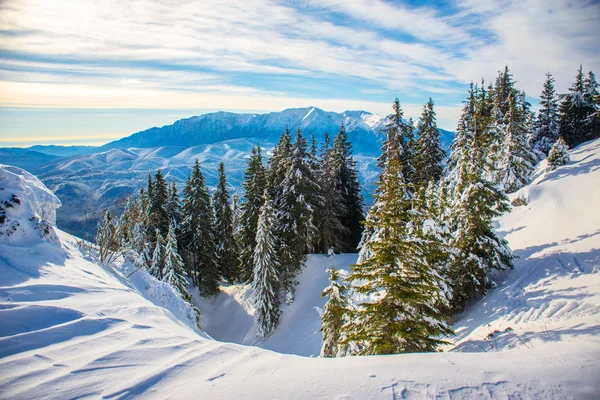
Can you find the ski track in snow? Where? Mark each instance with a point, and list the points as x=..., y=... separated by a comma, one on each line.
x=72, y=328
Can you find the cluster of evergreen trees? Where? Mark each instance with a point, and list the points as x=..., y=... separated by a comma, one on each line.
x=428, y=246
x=304, y=200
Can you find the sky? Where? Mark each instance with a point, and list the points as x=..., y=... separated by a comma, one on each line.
x=90, y=71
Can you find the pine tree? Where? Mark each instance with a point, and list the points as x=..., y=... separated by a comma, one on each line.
x=559, y=154
x=402, y=314
x=265, y=281
x=295, y=228
x=576, y=111
x=545, y=131
x=173, y=271
x=335, y=313
x=429, y=152
x=254, y=186
x=591, y=98
x=197, y=234
x=347, y=187
x=173, y=205
x=158, y=256
x=159, y=196
x=226, y=250
x=517, y=161
x=331, y=234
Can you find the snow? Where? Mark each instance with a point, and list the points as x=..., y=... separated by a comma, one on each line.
x=73, y=328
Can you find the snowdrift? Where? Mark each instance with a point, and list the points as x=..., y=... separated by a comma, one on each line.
x=72, y=328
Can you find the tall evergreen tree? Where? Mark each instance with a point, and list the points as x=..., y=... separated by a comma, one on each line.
x=402, y=314
x=265, y=282
x=576, y=111
x=517, y=161
x=173, y=270
x=173, y=205
x=197, y=234
x=254, y=185
x=335, y=313
x=545, y=132
x=331, y=234
x=429, y=152
x=347, y=187
x=295, y=228
x=227, y=252
x=159, y=196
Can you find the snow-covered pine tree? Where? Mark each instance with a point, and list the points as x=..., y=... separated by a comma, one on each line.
x=559, y=154
x=227, y=251
x=429, y=152
x=348, y=188
x=265, y=283
x=254, y=185
x=197, y=234
x=576, y=111
x=159, y=196
x=295, y=228
x=316, y=198
x=545, y=130
x=517, y=161
x=173, y=206
x=158, y=256
x=278, y=165
x=330, y=231
x=591, y=97
x=173, y=271
x=335, y=314
x=401, y=312
x=108, y=239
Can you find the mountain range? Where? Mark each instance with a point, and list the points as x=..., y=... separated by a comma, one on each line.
x=88, y=179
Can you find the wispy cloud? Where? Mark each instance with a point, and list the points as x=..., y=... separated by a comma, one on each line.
x=270, y=54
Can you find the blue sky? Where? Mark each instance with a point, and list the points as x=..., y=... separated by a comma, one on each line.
x=86, y=72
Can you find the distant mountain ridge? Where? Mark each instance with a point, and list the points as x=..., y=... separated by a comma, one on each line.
x=221, y=126
x=101, y=177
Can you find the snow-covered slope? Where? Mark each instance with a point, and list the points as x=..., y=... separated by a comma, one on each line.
x=72, y=328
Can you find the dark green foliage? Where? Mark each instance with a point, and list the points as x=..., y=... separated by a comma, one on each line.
x=295, y=227
x=350, y=213
x=429, y=152
x=197, y=234
x=254, y=186
x=578, y=110
x=227, y=251
x=545, y=131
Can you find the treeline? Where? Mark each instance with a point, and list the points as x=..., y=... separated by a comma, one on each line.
x=306, y=199
x=428, y=246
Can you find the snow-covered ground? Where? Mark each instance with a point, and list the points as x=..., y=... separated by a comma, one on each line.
x=71, y=328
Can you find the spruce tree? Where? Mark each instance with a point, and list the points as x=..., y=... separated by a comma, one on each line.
x=559, y=154
x=545, y=132
x=173, y=270
x=347, y=187
x=197, y=234
x=335, y=313
x=576, y=111
x=173, y=205
x=227, y=252
x=158, y=256
x=265, y=282
x=591, y=98
x=295, y=228
x=403, y=313
x=429, y=152
x=331, y=233
x=254, y=185
x=517, y=161
x=159, y=197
